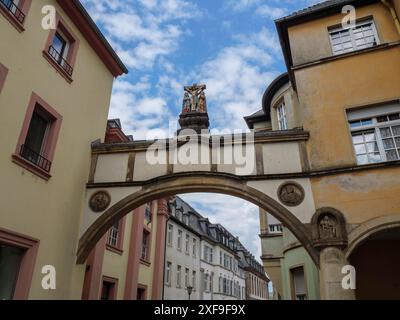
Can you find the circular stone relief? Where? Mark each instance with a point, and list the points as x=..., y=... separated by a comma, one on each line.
x=291, y=194
x=99, y=201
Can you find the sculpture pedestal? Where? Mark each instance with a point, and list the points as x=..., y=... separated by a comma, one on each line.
x=196, y=121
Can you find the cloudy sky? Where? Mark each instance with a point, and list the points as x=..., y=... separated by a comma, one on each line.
x=229, y=45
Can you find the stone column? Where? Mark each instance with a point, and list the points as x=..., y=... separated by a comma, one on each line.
x=159, y=260
x=135, y=251
x=332, y=260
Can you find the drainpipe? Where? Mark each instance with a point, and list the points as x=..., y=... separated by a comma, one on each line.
x=389, y=5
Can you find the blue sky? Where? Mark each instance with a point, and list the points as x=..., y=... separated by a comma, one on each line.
x=230, y=45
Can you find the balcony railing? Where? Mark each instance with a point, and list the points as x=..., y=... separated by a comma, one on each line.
x=13, y=9
x=35, y=158
x=60, y=60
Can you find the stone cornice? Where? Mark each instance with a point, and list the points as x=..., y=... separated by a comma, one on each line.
x=259, y=137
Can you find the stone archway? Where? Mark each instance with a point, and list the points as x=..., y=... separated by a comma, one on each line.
x=373, y=251
x=188, y=183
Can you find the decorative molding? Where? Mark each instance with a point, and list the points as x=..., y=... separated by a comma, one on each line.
x=99, y=201
x=291, y=194
x=328, y=227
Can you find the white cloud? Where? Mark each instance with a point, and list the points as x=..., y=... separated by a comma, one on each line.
x=142, y=35
x=236, y=78
x=230, y=212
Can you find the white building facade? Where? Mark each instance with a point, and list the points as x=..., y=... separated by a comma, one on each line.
x=182, y=262
x=205, y=259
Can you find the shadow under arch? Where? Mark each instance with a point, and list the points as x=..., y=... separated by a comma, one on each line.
x=367, y=229
x=205, y=182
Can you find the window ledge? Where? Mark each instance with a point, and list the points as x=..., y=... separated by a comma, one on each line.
x=17, y=159
x=146, y=263
x=13, y=20
x=378, y=47
x=56, y=66
x=114, y=249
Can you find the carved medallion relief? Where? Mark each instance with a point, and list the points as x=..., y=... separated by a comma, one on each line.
x=291, y=194
x=100, y=201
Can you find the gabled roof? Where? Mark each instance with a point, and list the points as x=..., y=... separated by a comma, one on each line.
x=81, y=18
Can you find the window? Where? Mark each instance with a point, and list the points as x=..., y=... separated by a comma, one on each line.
x=3, y=75
x=298, y=284
x=141, y=292
x=362, y=36
x=37, y=141
x=168, y=274
x=10, y=258
x=208, y=254
x=61, y=49
x=109, y=289
x=113, y=235
x=180, y=240
x=170, y=235
x=194, y=247
x=186, y=277
x=187, y=244
x=281, y=113
x=376, y=133
x=178, y=276
x=275, y=228
x=146, y=246
x=15, y=12
x=207, y=283
x=194, y=282
x=147, y=213
x=17, y=257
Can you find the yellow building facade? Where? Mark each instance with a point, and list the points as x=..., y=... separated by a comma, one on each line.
x=55, y=89
x=344, y=82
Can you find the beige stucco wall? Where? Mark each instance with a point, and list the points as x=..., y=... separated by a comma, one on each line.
x=360, y=196
x=304, y=211
x=310, y=41
x=288, y=95
x=116, y=265
x=50, y=211
x=324, y=94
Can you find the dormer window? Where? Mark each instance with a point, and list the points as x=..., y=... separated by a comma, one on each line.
x=281, y=115
x=362, y=36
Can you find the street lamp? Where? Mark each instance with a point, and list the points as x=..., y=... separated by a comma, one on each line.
x=189, y=290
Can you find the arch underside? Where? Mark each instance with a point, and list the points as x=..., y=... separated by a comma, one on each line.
x=189, y=183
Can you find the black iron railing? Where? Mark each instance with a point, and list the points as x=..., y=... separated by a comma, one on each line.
x=13, y=9
x=35, y=158
x=60, y=60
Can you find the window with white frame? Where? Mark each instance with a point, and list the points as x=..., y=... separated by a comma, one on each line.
x=186, y=277
x=170, y=235
x=376, y=133
x=194, y=280
x=208, y=254
x=194, y=247
x=168, y=273
x=187, y=244
x=178, y=276
x=113, y=235
x=362, y=35
x=281, y=114
x=179, y=244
